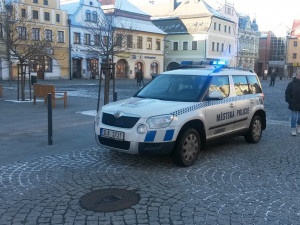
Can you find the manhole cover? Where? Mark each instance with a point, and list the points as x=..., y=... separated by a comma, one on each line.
x=109, y=200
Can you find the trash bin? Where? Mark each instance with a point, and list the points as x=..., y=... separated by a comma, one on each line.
x=33, y=80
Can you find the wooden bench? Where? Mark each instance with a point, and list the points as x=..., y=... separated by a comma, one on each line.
x=42, y=90
x=1, y=91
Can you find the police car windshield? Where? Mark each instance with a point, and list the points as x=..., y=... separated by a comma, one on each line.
x=170, y=87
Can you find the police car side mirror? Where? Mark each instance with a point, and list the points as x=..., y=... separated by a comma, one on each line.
x=215, y=95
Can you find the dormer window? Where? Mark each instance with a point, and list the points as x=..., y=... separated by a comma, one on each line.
x=91, y=3
x=88, y=15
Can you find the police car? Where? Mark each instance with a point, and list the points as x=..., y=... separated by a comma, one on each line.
x=180, y=110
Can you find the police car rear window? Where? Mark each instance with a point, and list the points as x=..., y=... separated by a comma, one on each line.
x=184, y=88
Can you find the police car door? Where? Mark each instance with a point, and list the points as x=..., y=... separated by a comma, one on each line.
x=219, y=113
x=243, y=101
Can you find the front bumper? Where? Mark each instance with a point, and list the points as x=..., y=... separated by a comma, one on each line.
x=157, y=148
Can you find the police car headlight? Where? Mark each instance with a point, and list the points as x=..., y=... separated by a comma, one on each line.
x=160, y=121
x=141, y=129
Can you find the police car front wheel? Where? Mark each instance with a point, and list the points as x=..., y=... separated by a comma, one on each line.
x=187, y=147
x=255, y=130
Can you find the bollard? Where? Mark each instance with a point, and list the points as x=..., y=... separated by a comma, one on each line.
x=115, y=96
x=50, y=137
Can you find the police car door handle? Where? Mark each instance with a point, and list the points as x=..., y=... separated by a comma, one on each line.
x=231, y=105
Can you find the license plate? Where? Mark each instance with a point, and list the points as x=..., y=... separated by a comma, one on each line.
x=117, y=135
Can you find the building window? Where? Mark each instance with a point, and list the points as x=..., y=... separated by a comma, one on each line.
x=47, y=16
x=294, y=55
x=295, y=43
x=229, y=48
x=229, y=30
x=22, y=32
x=45, y=2
x=61, y=36
x=185, y=45
x=157, y=47
x=225, y=28
x=119, y=40
x=44, y=64
x=93, y=65
x=149, y=43
x=35, y=14
x=48, y=35
x=154, y=69
x=87, y=39
x=219, y=27
x=129, y=41
x=76, y=38
x=217, y=47
x=215, y=26
x=213, y=46
x=222, y=48
x=57, y=18
x=35, y=1
x=194, y=45
x=94, y=18
x=175, y=46
x=105, y=40
x=23, y=13
x=35, y=34
x=139, y=42
x=88, y=15
x=97, y=40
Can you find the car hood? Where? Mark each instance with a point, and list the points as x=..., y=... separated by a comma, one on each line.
x=145, y=107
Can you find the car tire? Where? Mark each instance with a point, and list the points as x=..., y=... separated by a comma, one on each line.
x=255, y=130
x=187, y=147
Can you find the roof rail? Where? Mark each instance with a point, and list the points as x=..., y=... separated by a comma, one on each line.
x=232, y=68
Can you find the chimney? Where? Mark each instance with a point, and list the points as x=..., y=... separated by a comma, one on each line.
x=172, y=5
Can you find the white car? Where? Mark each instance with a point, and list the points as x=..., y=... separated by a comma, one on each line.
x=180, y=110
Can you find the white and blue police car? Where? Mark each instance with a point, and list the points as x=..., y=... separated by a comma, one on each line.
x=180, y=110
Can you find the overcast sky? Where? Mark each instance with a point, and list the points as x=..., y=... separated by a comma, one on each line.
x=273, y=15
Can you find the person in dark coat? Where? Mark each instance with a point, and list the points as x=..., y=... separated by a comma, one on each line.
x=292, y=97
x=140, y=77
x=273, y=78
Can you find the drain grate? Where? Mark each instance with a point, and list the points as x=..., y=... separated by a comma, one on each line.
x=109, y=200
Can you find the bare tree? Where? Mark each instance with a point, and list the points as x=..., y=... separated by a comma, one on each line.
x=22, y=38
x=111, y=37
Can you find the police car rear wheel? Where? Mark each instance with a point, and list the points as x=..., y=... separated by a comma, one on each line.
x=255, y=130
x=188, y=147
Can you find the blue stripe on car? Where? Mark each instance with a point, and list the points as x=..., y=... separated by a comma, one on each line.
x=150, y=136
x=169, y=135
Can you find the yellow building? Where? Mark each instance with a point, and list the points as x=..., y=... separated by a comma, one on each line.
x=293, y=55
x=44, y=23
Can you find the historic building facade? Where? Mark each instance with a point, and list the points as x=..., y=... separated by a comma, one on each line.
x=248, y=42
x=195, y=31
x=43, y=21
x=84, y=17
x=144, y=41
x=293, y=50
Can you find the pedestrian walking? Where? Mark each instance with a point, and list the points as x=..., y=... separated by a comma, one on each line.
x=140, y=77
x=292, y=97
x=273, y=78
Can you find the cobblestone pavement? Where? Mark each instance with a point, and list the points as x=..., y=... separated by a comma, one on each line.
x=231, y=183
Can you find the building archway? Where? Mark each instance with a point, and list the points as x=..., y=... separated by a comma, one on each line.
x=122, y=69
x=154, y=68
x=173, y=66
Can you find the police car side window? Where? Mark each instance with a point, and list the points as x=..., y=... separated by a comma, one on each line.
x=254, y=84
x=221, y=84
x=241, y=85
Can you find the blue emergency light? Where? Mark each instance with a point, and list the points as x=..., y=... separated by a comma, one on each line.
x=219, y=62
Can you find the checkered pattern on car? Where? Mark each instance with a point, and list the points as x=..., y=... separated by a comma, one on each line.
x=209, y=103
